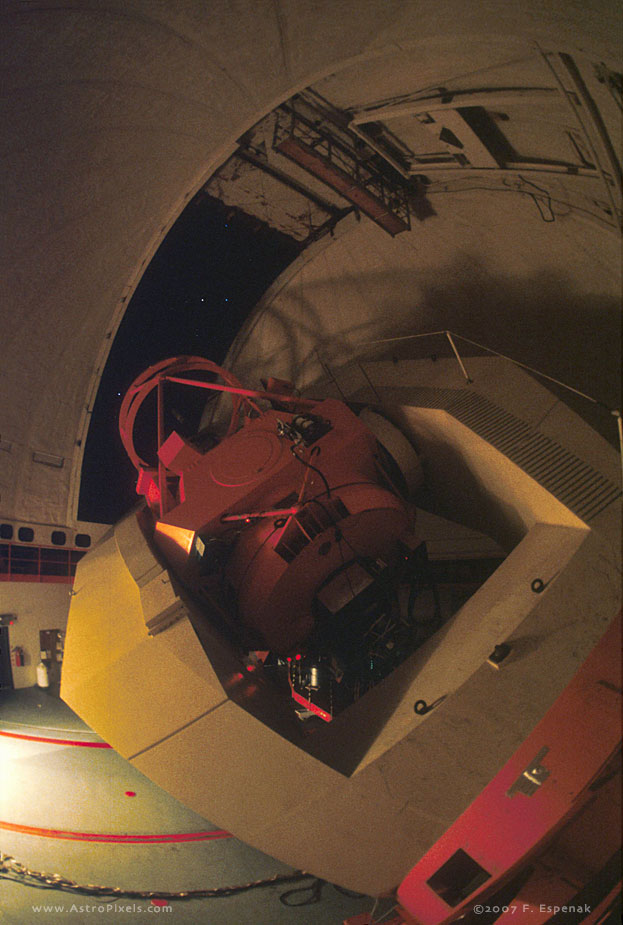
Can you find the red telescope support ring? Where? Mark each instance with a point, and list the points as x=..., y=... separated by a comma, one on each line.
x=144, y=384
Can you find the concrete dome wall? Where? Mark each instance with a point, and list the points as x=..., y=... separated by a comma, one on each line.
x=113, y=115
x=486, y=266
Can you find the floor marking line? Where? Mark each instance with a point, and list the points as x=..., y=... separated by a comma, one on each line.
x=118, y=839
x=65, y=742
x=80, y=732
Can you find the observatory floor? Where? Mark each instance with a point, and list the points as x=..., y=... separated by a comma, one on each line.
x=74, y=807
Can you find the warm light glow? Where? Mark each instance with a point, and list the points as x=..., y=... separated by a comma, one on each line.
x=180, y=535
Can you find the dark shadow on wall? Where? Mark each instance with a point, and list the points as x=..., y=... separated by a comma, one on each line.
x=541, y=320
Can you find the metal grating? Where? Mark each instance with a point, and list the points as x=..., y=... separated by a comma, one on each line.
x=576, y=484
x=339, y=166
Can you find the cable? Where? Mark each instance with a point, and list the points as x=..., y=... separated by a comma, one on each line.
x=312, y=894
x=358, y=557
x=339, y=536
x=350, y=893
x=536, y=200
x=548, y=219
x=344, y=485
x=256, y=553
x=374, y=921
x=10, y=869
x=571, y=207
x=309, y=466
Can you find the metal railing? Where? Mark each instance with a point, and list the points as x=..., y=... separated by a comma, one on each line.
x=452, y=339
x=292, y=125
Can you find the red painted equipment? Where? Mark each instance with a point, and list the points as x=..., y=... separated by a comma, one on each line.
x=543, y=835
x=292, y=497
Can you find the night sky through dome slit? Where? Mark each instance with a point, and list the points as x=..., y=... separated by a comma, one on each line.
x=207, y=275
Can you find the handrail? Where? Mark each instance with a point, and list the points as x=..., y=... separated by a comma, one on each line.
x=451, y=335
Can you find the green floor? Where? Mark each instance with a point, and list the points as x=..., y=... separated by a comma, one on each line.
x=74, y=789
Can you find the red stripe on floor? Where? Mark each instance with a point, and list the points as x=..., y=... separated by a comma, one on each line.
x=27, y=738
x=118, y=839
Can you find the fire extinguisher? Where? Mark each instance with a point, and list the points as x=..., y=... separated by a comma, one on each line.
x=18, y=654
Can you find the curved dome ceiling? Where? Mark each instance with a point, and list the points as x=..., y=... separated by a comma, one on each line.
x=115, y=115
